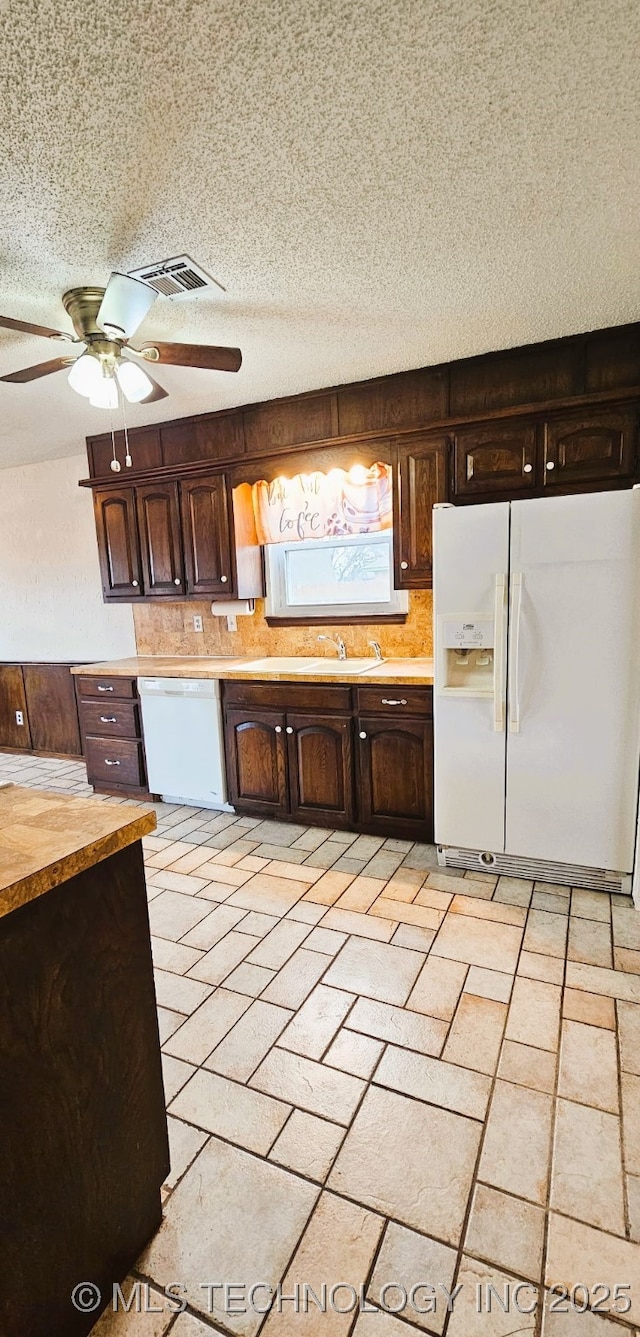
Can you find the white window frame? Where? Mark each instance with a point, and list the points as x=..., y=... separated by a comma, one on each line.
x=277, y=605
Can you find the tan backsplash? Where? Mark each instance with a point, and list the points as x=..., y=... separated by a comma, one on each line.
x=167, y=629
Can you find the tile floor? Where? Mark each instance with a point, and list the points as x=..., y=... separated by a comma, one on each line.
x=382, y=1076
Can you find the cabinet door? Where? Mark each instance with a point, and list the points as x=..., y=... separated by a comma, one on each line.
x=257, y=761
x=590, y=447
x=118, y=547
x=52, y=707
x=495, y=458
x=395, y=776
x=208, y=555
x=421, y=481
x=321, y=768
x=160, y=539
x=13, y=707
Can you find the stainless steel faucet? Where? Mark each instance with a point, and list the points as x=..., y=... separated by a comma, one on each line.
x=338, y=643
x=375, y=646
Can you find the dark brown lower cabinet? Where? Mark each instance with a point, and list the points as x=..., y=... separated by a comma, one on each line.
x=112, y=739
x=257, y=761
x=14, y=721
x=321, y=769
x=38, y=711
x=395, y=775
x=320, y=756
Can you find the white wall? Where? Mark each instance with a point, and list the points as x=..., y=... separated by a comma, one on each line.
x=50, y=593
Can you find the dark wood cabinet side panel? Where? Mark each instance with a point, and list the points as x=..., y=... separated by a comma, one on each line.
x=13, y=700
x=520, y=376
x=52, y=709
x=207, y=438
x=144, y=445
x=408, y=399
x=271, y=426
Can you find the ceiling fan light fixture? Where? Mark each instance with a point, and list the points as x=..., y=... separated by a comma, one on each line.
x=133, y=381
x=85, y=374
x=104, y=394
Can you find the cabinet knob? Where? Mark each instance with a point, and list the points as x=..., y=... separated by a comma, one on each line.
x=550, y=464
x=278, y=728
x=362, y=734
x=134, y=582
x=108, y=719
x=224, y=579
x=404, y=566
x=528, y=468
x=111, y=763
x=177, y=581
x=289, y=729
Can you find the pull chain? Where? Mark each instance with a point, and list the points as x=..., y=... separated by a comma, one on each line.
x=127, y=459
x=115, y=463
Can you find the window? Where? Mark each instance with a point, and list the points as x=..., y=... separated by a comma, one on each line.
x=342, y=578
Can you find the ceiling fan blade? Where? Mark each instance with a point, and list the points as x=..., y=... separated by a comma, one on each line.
x=25, y=327
x=192, y=355
x=42, y=369
x=124, y=306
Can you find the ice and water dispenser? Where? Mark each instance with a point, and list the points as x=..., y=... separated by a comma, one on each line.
x=466, y=647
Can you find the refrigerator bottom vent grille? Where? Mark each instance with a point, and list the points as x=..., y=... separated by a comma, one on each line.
x=541, y=870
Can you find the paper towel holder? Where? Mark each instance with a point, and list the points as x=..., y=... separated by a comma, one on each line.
x=233, y=608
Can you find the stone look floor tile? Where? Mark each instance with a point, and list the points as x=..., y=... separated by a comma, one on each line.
x=489, y=984
x=363, y=926
x=549, y=900
x=403, y=1257
x=536, y=966
x=514, y=890
x=434, y=899
x=450, y=882
x=308, y=1145
x=626, y=959
x=527, y=1066
x=534, y=1014
x=596, y=979
x=506, y=1231
x=249, y=979
x=438, y=988
x=175, y=1073
x=632, y=1187
x=626, y=930
x=581, y=1255
x=173, y=956
x=417, y=915
x=586, y=1176
x=629, y=1036
x=587, y=1325
x=377, y=970
x=412, y=935
x=591, y=905
x=168, y=1023
x=253, y=922
x=340, y=1241
x=589, y=941
x=517, y=1146
x=316, y=1023
x=469, y=1320
x=479, y=942
x=631, y=1122
x=306, y=913
x=589, y=1066
x=179, y=993
x=354, y=1053
x=279, y=944
x=240, y=1115
x=404, y=885
x=147, y=1324
x=476, y=1033
x=199, y=1035
x=220, y=960
x=361, y=894
x=249, y=1040
x=413, y=1030
x=184, y=1144
x=437, y=1083
x=272, y=895
x=245, y=1213
x=329, y=888
x=325, y=940
x=297, y=978
x=309, y=1086
x=592, y=1008
x=496, y=911
x=171, y=881
x=171, y=915
x=213, y=927
x=545, y=933
x=427, y=1193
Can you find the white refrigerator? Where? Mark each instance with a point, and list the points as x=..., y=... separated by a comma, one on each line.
x=537, y=687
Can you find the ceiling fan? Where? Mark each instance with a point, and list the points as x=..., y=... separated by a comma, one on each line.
x=104, y=319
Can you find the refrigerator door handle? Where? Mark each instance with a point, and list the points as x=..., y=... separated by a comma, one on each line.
x=514, y=648
x=500, y=623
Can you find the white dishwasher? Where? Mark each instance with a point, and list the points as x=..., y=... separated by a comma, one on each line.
x=182, y=729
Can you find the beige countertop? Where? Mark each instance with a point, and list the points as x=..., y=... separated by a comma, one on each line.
x=404, y=672
x=47, y=838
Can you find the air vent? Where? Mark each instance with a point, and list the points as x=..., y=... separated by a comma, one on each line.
x=179, y=277
x=542, y=870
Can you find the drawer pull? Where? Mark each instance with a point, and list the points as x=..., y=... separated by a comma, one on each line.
x=101, y=688
x=108, y=719
x=111, y=763
x=388, y=701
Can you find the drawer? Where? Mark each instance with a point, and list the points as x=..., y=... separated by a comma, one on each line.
x=394, y=700
x=114, y=761
x=110, y=719
x=106, y=687
x=288, y=696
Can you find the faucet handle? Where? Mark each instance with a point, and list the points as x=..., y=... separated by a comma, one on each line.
x=375, y=646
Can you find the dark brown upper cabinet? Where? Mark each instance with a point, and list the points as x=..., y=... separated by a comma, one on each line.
x=420, y=478
x=118, y=548
x=495, y=458
x=160, y=545
x=590, y=446
x=208, y=550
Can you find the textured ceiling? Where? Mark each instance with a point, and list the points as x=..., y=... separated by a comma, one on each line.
x=379, y=184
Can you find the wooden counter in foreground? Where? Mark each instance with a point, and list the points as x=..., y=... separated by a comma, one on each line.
x=83, y=1132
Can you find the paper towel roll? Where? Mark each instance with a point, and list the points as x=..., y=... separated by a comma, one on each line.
x=234, y=608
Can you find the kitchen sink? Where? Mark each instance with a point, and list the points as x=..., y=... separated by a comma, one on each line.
x=300, y=664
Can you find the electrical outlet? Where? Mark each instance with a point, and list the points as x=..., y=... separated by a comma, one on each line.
x=19, y=717
x=197, y=623
x=232, y=622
